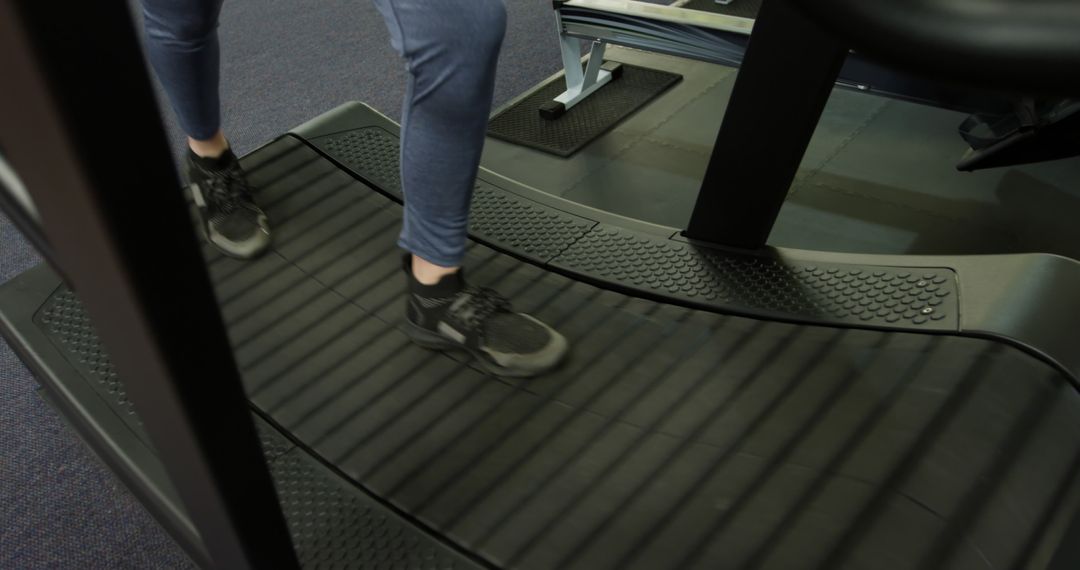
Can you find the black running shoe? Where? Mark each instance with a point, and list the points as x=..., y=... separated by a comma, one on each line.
x=454, y=315
x=231, y=220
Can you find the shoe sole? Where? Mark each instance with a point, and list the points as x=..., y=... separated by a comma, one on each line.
x=435, y=341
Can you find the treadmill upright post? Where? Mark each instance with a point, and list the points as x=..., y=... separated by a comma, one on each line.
x=785, y=80
x=78, y=121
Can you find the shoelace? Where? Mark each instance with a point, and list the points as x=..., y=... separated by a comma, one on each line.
x=227, y=189
x=482, y=303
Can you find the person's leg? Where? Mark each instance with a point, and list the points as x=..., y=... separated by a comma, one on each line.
x=182, y=45
x=451, y=48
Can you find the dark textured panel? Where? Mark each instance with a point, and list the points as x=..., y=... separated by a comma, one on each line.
x=599, y=112
x=884, y=296
x=738, y=8
x=66, y=323
x=371, y=152
x=334, y=525
x=274, y=444
x=523, y=226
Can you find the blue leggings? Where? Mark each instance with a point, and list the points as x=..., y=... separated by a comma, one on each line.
x=450, y=49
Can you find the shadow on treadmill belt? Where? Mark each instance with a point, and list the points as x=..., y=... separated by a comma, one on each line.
x=522, y=124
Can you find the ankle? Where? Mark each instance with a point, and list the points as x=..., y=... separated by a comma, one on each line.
x=212, y=147
x=427, y=273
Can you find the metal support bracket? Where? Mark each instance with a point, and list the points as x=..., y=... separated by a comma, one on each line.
x=580, y=83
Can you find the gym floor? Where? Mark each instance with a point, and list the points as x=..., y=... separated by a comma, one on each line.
x=878, y=177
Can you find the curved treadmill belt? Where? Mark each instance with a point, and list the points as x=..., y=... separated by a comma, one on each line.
x=671, y=438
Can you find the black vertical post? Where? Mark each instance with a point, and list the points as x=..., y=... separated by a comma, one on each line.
x=79, y=123
x=783, y=84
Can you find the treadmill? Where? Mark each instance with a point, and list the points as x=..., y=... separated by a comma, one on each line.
x=726, y=405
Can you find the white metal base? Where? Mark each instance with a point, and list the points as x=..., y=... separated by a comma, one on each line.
x=581, y=83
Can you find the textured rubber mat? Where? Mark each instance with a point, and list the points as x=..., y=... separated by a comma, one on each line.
x=888, y=296
x=70, y=329
x=522, y=124
x=335, y=525
x=738, y=8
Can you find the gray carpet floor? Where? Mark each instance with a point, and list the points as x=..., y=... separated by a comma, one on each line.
x=282, y=63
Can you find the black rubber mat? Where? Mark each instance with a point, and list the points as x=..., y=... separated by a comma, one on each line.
x=70, y=329
x=335, y=525
x=738, y=8
x=522, y=124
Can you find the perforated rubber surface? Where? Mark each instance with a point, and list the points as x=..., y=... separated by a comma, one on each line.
x=334, y=525
x=878, y=295
x=522, y=124
x=70, y=329
x=372, y=148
